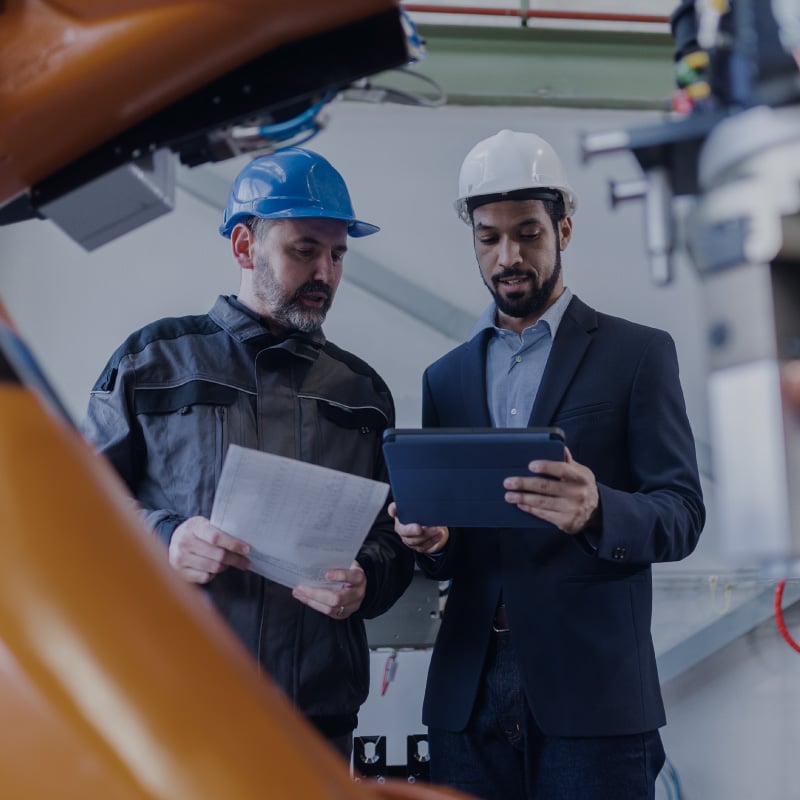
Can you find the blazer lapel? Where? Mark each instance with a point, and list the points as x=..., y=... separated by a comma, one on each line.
x=572, y=339
x=473, y=382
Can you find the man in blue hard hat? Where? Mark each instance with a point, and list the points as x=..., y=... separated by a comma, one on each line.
x=257, y=371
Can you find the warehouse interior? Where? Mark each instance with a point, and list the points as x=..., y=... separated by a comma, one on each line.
x=571, y=72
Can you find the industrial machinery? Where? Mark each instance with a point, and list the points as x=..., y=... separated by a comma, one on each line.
x=721, y=181
x=117, y=680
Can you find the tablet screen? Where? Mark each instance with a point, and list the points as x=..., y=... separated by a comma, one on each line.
x=454, y=476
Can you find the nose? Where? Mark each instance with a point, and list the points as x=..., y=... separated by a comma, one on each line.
x=508, y=253
x=325, y=268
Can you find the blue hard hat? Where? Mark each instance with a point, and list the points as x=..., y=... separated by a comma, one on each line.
x=288, y=184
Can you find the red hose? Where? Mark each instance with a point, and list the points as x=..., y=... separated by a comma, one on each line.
x=779, y=617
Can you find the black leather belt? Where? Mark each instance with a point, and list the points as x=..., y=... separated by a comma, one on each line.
x=500, y=621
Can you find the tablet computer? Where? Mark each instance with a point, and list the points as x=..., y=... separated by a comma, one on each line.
x=454, y=476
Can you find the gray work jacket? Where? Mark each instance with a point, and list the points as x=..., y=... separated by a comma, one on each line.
x=170, y=401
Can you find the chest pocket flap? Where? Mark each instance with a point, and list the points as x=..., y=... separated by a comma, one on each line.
x=365, y=418
x=162, y=400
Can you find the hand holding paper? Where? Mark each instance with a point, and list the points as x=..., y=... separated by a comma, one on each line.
x=299, y=519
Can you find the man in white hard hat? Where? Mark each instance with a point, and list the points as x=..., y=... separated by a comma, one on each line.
x=543, y=680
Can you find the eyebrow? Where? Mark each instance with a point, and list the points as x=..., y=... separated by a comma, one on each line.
x=317, y=242
x=521, y=224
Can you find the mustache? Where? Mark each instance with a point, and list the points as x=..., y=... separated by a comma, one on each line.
x=511, y=272
x=313, y=287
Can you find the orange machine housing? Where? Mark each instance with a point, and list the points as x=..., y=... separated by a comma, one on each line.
x=75, y=73
x=117, y=679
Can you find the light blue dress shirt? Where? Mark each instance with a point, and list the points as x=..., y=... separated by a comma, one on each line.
x=515, y=363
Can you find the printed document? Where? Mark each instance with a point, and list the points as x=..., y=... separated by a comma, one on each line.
x=299, y=519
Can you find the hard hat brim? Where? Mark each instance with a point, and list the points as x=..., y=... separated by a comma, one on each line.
x=355, y=227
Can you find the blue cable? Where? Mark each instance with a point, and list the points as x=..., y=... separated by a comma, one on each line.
x=304, y=121
x=671, y=781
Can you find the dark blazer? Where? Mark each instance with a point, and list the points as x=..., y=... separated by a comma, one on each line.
x=579, y=606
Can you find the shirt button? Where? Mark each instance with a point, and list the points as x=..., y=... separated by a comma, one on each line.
x=513, y=411
x=518, y=359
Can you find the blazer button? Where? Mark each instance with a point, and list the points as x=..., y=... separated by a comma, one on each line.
x=618, y=553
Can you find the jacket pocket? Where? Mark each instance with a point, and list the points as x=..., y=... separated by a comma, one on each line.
x=341, y=436
x=161, y=400
x=364, y=418
x=185, y=433
x=588, y=410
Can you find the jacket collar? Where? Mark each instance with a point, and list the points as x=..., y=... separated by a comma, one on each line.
x=573, y=337
x=245, y=325
x=569, y=346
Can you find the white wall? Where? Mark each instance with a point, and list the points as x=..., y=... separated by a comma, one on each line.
x=401, y=164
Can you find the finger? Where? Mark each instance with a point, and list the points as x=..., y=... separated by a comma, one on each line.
x=428, y=542
x=350, y=577
x=553, y=469
x=538, y=501
x=330, y=604
x=425, y=535
x=215, y=536
x=410, y=529
x=187, y=550
x=392, y=510
x=312, y=602
x=320, y=595
x=235, y=560
x=436, y=541
x=195, y=575
x=534, y=486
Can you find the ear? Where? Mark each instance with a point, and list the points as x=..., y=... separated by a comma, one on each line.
x=242, y=243
x=564, y=232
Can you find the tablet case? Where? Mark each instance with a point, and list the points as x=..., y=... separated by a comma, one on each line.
x=454, y=476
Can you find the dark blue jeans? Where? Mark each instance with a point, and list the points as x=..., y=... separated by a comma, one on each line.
x=502, y=754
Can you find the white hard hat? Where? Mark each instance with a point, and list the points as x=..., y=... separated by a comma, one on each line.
x=511, y=161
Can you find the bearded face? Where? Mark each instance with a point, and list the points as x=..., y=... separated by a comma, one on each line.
x=297, y=266
x=518, y=247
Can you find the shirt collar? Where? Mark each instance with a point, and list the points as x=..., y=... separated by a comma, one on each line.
x=552, y=317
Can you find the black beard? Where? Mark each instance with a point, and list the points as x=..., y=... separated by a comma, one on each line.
x=536, y=302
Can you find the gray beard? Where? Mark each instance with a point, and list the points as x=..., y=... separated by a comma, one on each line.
x=283, y=308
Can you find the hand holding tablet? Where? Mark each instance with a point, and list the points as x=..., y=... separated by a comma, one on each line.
x=454, y=476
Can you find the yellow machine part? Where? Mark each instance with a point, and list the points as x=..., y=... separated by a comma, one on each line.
x=118, y=679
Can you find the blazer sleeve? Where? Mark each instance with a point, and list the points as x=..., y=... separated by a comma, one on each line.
x=662, y=517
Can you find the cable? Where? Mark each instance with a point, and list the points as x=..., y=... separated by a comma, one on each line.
x=261, y=136
x=779, y=621
x=365, y=91
x=671, y=781
x=389, y=671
